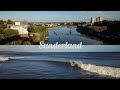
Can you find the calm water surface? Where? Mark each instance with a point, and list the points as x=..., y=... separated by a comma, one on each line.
x=64, y=34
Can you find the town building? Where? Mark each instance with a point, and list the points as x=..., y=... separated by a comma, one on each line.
x=21, y=26
x=50, y=25
x=92, y=20
x=99, y=19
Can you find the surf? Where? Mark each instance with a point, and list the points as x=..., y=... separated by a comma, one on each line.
x=5, y=58
x=102, y=70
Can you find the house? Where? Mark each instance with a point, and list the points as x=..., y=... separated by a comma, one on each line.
x=49, y=25
x=21, y=26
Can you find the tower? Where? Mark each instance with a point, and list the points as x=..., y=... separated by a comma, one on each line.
x=99, y=19
x=92, y=20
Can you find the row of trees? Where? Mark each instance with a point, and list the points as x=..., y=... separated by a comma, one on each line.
x=8, y=22
x=3, y=24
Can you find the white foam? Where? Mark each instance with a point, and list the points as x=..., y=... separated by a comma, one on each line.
x=18, y=57
x=4, y=58
x=103, y=70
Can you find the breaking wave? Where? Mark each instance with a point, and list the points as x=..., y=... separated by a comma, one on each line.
x=103, y=70
x=5, y=58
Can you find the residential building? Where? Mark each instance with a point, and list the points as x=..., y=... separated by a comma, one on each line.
x=50, y=25
x=92, y=20
x=99, y=19
x=21, y=27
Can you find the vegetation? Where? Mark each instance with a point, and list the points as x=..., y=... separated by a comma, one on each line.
x=37, y=31
x=111, y=33
x=113, y=27
x=10, y=21
x=8, y=32
x=36, y=28
x=11, y=37
x=26, y=43
x=3, y=24
x=2, y=36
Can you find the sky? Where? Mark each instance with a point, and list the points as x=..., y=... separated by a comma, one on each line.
x=58, y=16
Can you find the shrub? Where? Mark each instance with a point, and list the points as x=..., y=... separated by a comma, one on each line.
x=26, y=43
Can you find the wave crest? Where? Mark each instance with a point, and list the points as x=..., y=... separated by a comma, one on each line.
x=5, y=58
x=103, y=70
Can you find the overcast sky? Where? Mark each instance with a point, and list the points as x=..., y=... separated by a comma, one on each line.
x=58, y=16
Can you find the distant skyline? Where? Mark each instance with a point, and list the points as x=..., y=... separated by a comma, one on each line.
x=58, y=16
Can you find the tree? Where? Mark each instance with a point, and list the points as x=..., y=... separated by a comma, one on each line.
x=1, y=22
x=3, y=26
x=10, y=22
x=2, y=36
x=31, y=29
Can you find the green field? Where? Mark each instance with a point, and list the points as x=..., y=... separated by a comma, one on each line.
x=38, y=32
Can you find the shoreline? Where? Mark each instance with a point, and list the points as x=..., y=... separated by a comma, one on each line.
x=102, y=35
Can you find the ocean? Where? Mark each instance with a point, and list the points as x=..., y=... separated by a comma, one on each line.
x=56, y=65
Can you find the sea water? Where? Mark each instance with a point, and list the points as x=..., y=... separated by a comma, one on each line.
x=56, y=65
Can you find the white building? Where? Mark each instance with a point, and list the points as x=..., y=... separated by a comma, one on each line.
x=50, y=25
x=17, y=23
x=99, y=19
x=21, y=27
x=92, y=20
